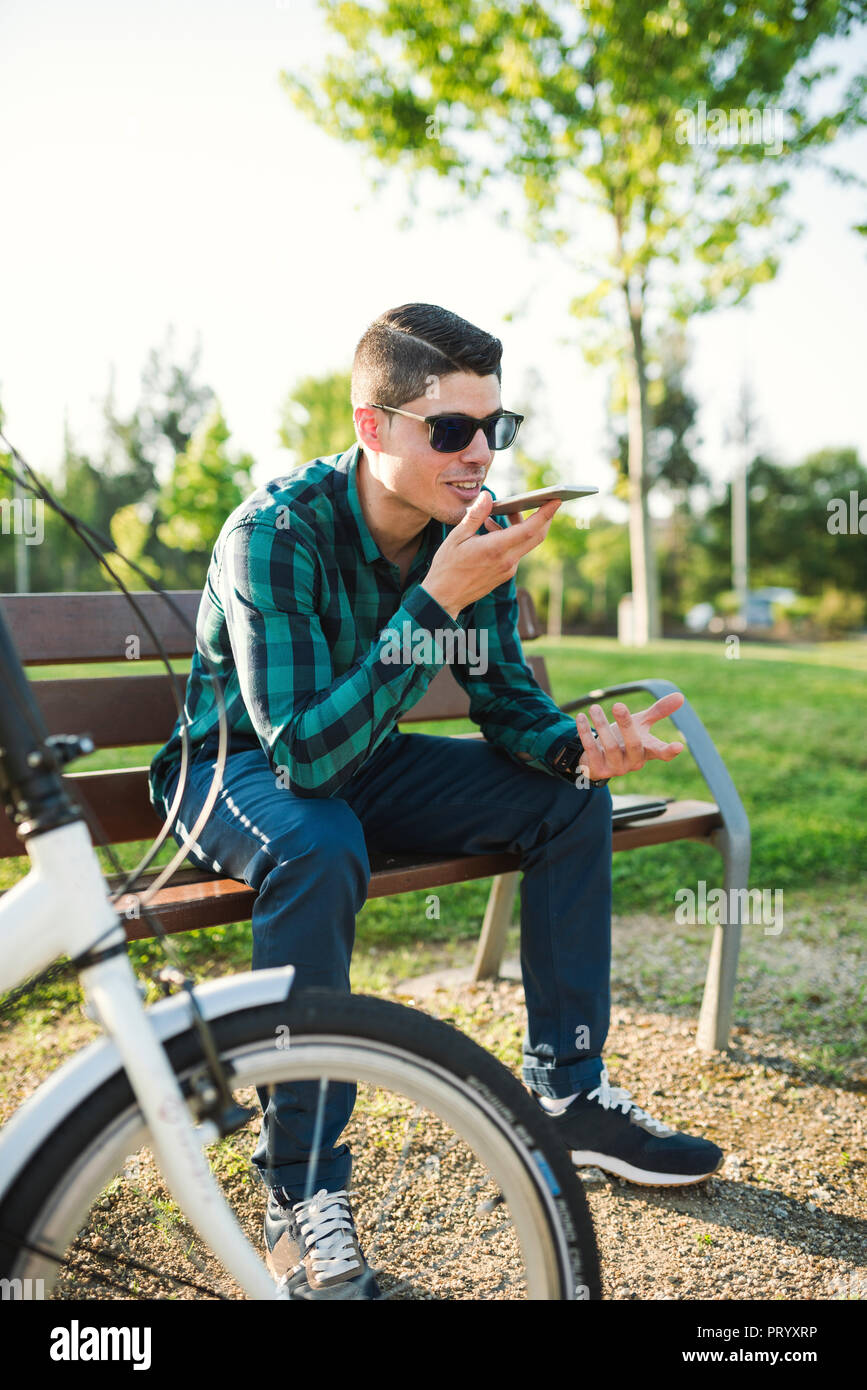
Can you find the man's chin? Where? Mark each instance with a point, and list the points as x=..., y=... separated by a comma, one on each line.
x=451, y=516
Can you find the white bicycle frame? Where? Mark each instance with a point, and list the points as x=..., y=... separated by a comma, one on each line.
x=61, y=908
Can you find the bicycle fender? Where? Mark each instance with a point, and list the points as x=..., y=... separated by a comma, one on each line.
x=71, y=1084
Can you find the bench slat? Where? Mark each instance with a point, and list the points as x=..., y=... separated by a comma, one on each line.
x=117, y=711
x=95, y=627
x=85, y=627
x=127, y=711
x=200, y=901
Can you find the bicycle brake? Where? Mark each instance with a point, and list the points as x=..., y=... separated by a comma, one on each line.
x=210, y=1095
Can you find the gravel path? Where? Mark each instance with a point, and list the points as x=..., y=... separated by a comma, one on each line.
x=787, y=1216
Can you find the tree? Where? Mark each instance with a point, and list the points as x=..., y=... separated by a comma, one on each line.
x=316, y=419
x=171, y=405
x=602, y=104
x=7, y=492
x=565, y=543
x=208, y=481
x=671, y=464
x=606, y=568
x=142, y=447
x=792, y=539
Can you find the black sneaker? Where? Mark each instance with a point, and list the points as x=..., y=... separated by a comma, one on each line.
x=604, y=1128
x=313, y=1246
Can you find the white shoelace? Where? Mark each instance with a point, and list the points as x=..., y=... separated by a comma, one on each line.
x=325, y=1222
x=615, y=1097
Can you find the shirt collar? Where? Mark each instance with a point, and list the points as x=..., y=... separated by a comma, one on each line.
x=349, y=463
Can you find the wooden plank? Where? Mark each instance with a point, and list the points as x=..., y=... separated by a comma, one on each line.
x=95, y=627
x=126, y=711
x=85, y=627
x=117, y=711
x=118, y=801
x=682, y=820
x=528, y=622
x=197, y=900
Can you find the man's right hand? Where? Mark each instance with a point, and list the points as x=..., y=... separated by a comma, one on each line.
x=467, y=566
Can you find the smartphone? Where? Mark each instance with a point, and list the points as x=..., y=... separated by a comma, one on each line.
x=527, y=501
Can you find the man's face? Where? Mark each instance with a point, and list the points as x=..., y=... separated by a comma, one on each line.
x=421, y=480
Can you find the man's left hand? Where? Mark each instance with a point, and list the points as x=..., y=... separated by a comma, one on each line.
x=628, y=744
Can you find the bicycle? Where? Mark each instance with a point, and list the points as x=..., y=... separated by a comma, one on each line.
x=456, y=1164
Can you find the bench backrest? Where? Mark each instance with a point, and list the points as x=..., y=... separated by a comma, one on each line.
x=129, y=711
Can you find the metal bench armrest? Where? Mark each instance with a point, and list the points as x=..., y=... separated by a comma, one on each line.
x=733, y=843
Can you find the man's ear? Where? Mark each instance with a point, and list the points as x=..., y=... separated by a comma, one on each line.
x=369, y=425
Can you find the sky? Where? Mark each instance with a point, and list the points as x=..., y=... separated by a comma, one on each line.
x=155, y=173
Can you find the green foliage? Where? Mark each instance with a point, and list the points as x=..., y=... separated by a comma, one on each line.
x=591, y=106
x=159, y=489
x=790, y=543
x=828, y=615
x=316, y=419
x=206, y=484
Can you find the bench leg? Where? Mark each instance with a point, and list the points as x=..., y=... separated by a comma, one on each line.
x=714, y=1022
x=498, y=918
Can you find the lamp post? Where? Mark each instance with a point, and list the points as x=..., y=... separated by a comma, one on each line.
x=742, y=437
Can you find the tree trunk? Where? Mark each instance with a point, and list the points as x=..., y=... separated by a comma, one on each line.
x=645, y=599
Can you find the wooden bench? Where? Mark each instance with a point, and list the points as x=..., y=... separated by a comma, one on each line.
x=124, y=711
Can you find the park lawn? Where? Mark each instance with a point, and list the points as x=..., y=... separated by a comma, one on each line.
x=789, y=724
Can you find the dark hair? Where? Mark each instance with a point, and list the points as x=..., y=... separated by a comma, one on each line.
x=405, y=347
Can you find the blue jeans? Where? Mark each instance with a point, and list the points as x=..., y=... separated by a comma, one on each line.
x=307, y=859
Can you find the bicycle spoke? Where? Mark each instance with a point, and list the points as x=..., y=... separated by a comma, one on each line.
x=317, y=1137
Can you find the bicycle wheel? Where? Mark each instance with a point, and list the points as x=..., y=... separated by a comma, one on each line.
x=461, y=1189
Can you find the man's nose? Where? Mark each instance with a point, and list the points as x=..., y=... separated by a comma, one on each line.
x=477, y=451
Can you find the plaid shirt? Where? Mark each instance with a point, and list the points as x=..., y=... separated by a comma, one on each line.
x=293, y=617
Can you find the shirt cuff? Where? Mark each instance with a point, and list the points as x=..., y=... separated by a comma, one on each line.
x=551, y=740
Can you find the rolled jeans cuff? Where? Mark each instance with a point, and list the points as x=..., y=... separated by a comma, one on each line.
x=558, y=1082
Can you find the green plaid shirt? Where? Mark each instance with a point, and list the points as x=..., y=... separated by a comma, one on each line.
x=298, y=616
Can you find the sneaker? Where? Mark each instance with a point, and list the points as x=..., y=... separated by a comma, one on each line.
x=313, y=1246
x=604, y=1128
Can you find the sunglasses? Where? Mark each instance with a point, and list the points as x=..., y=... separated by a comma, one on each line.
x=451, y=433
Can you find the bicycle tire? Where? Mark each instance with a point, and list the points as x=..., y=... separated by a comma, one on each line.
x=46, y=1205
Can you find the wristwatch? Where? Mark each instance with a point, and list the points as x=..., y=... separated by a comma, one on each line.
x=566, y=761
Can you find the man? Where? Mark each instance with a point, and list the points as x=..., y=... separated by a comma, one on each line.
x=312, y=581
